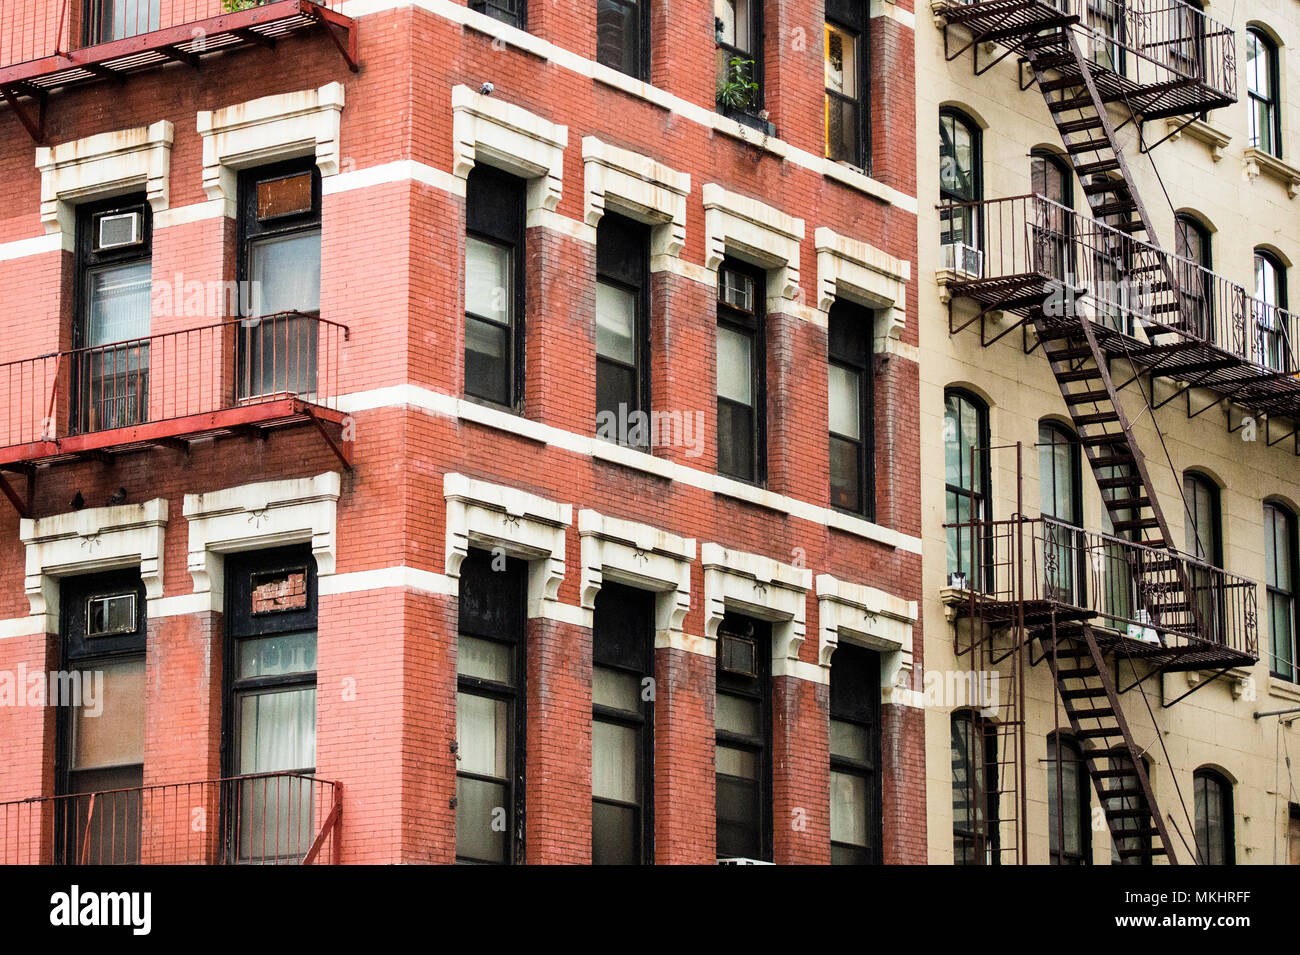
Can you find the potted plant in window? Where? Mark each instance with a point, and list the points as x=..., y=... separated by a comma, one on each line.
x=738, y=95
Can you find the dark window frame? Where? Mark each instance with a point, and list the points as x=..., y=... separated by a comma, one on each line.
x=511, y=12
x=982, y=495
x=726, y=52
x=1061, y=434
x=1273, y=102
x=973, y=227
x=495, y=214
x=1201, y=781
x=858, y=326
x=754, y=325
x=985, y=847
x=851, y=16
x=1185, y=227
x=864, y=712
x=1070, y=752
x=644, y=722
x=635, y=239
x=1273, y=510
x=757, y=688
x=643, y=39
x=1269, y=342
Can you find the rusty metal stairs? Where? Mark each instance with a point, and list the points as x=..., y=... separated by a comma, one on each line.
x=1111, y=756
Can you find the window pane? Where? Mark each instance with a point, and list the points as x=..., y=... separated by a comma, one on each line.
x=617, y=32
x=614, y=762
x=277, y=731
x=841, y=61
x=613, y=835
x=616, y=690
x=845, y=402
x=738, y=818
x=286, y=274
x=732, y=18
x=734, y=714
x=615, y=323
x=735, y=365
x=484, y=659
x=119, y=304
x=114, y=737
x=487, y=367
x=737, y=763
x=280, y=654
x=848, y=809
x=481, y=820
x=850, y=741
x=488, y=280
x=846, y=474
x=736, y=441
x=482, y=731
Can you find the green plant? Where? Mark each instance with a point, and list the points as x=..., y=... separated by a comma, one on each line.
x=234, y=6
x=738, y=90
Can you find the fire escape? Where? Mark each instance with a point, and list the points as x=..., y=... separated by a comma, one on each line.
x=1086, y=291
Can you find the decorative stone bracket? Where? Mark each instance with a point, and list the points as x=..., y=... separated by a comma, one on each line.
x=89, y=541
x=639, y=187
x=254, y=516
x=859, y=272
x=640, y=556
x=101, y=166
x=263, y=130
x=756, y=232
x=871, y=618
x=510, y=138
x=532, y=528
x=1256, y=162
x=762, y=588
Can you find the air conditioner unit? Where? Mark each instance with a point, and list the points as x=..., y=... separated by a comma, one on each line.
x=1138, y=631
x=963, y=259
x=118, y=230
x=740, y=860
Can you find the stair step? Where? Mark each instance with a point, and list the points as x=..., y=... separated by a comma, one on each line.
x=1144, y=851
x=1069, y=103
x=1082, y=396
x=1101, y=417
x=1105, y=732
x=1103, y=440
x=1140, y=832
x=1099, y=713
x=1093, y=168
x=1110, y=773
x=1123, y=793
x=1044, y=40
x=1056, y=334
x=1139, y=524
x=1081, y=374
x=1127, y=503
x=1112, y=460
x=1078, y=674
x=1065, y=82
x=1113, y=208
x=1142, y=813
x=1080, y=125
x=1083, y=694
x=1099, y=186
x=1067, y=354
x=1127, y=480
x=1088, y=146
x=1163, y=308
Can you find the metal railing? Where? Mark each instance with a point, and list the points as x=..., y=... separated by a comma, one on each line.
x=170, y=376
x=261, y=819
x=1114, y=279
x=1128, y=586
x=33, y=30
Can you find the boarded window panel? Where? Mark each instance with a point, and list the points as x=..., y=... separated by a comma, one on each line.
x=278, y=592
x=286, y=196
x=110, y=732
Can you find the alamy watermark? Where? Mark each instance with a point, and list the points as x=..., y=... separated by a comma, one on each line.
x=80, y=689
x=653, y=429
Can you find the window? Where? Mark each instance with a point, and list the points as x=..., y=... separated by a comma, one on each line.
x=622, y=730
x=856, y=820
x=741, y=393
x=974, y=790
x=1271, y=318
x=1053, y=249
x=494, y=289
x=1187, y=33
x=490, y=710
x=103, y=628
x=270, y=702
x=966, y=442
x=1265, y=119
x=623, y=36
x=1061, y=504
x=1192, y=245
x=1106, y=24
x=738, y=33
x=744, y=739
x=108, y=20
x=1204, y=541
x=846, y=81
x=279, y=259
x=1117, y=580
x=849, y=403
x=1069, y=821
x=960, y=180
x=1214, y=820
x=622, y=331
x=110, y=369
x=1280, y=557
x=513, y=12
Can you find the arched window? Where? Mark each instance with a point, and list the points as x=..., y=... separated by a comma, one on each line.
x=1050, y=178
x=1068, y=802
x=1204, y=541
x=974, y=790
x=1265, y=127
x=1192, y=245
x=1270, y=348
x=1061, y=505
x=1280, y=557
x=960, y=181
x=966, y=442
x=1214, y=823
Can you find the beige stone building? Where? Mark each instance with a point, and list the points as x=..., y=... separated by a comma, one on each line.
x=1135, y=258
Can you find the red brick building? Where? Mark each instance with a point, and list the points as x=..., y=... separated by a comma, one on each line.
x=436, y=432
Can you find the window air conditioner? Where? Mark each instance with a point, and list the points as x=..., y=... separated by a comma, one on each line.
x=965, y=260
x=117, y=230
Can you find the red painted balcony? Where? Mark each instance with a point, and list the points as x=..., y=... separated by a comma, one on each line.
x=62, y=43
x=242, y=377
x=262, y=819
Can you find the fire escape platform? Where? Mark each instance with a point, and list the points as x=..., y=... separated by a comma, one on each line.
x=184, y=43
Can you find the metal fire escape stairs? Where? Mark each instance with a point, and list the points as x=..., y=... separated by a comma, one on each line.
x=1086, y=688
